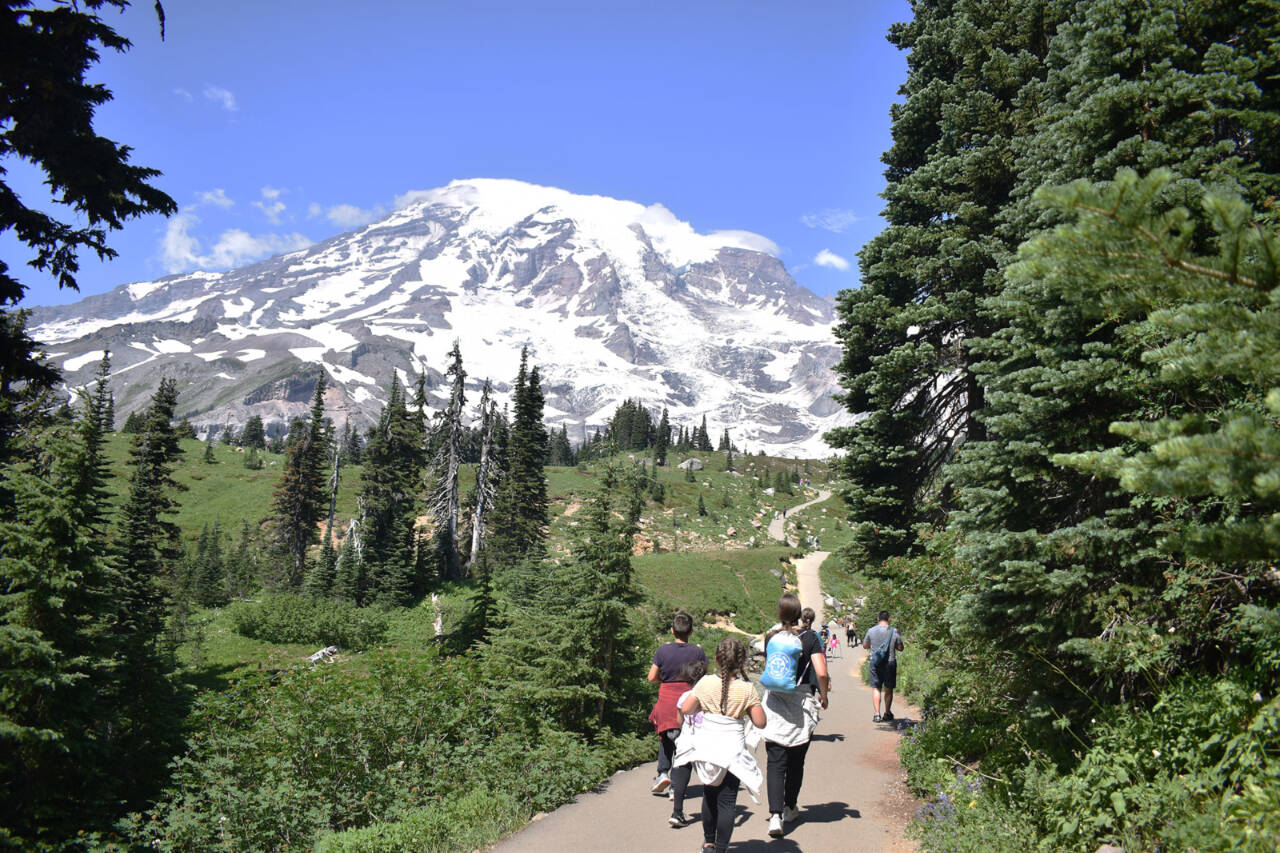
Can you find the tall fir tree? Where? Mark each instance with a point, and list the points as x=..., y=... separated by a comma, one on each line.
x=300, y=498
x=390, y=484
x=56, y=606
x=663, y=439
x=148, y=554
x=519, y=526
x=445, y=498
x=905, y=333
x=488, y=476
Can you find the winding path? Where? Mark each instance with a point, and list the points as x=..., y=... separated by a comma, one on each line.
x=854, y=796
x=778, y=527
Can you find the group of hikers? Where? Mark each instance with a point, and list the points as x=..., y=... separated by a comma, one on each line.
x=711, y=723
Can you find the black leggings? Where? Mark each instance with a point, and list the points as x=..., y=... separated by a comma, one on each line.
x=719, y=812
x=786, y=774
x=679, y=784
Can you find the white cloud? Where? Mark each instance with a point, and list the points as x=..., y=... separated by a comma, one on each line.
x=181, y=250
x=827, y=258
x=184, y=94
x=314, y=209
x=272, y=211
x=349, y=216
x=402, y=201
x=216, y=197
x=831, y=219
x=223, y=97
x=271, y=206
x=748, y=240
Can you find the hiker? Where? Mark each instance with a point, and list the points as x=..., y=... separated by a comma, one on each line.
x=791, y=714
x=885, y=642
x=668, y=660
x=691, y=673
x=850, y=633
x=719, y=751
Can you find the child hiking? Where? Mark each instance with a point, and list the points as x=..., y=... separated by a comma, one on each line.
x=668, y=660
x=719, y=751
x=691, y=673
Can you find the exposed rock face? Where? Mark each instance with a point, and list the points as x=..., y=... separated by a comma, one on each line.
x=613, y=299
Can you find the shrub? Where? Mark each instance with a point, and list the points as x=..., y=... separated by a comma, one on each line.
x=276, y=765
x=289, y=618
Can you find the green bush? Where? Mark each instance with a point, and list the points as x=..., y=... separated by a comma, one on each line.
x=278, y=762
x=288, y=618
x=465, y=822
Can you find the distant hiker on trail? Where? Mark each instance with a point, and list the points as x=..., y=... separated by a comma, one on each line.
x=719, y=751
x=691, y=673
x=668, y=660
x=850, y=633
x=791, y=708
x=885, y=642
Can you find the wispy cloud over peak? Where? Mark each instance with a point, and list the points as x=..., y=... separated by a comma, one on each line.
x=827, y=258
x=181, y=250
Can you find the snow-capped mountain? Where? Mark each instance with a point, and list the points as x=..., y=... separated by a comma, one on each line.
x=614, y=299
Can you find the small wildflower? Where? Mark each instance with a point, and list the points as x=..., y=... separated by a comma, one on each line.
x=972, y=803
x=1172, y=629
x=1156, y=753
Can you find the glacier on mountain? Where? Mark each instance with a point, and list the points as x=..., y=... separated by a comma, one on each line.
x=614, y=299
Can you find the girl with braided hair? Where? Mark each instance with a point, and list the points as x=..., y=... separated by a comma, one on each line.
x=719, y=750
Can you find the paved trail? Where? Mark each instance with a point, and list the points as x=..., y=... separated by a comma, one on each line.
x=777, y=527
x=853, y=796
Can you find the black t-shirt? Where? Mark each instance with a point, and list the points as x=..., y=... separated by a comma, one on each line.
x=671, y=658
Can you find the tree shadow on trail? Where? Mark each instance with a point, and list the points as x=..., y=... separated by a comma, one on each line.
x=828, y=813
x=773, y=845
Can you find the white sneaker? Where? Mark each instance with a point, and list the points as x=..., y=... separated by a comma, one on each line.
x=661, y=783
x=790, y=815
x=775, y=826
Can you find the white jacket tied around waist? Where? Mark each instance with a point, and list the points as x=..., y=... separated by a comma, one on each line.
x=719, y=746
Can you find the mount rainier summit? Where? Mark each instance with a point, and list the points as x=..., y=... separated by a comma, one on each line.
x=614, y=299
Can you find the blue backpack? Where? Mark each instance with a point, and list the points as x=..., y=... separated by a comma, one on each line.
x=781, y=662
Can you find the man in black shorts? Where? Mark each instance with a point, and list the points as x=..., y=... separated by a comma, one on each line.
x=884, y=642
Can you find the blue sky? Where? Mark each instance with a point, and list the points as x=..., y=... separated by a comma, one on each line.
x=283, y=122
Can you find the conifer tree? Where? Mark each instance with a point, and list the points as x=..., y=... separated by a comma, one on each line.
x=56, y=709
x=445, y=498
x=299, y=502
x=254, y=435
x=390, y=484
x=348, y=572
x=133, y=423
x=209, y=458
x=242, y=570
x=905, y=333
x=488, y=475
x=208, y=571
x=520, y=509
x=578, y=678
x=148, y=554
x=662, y=440
x=702, y=507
